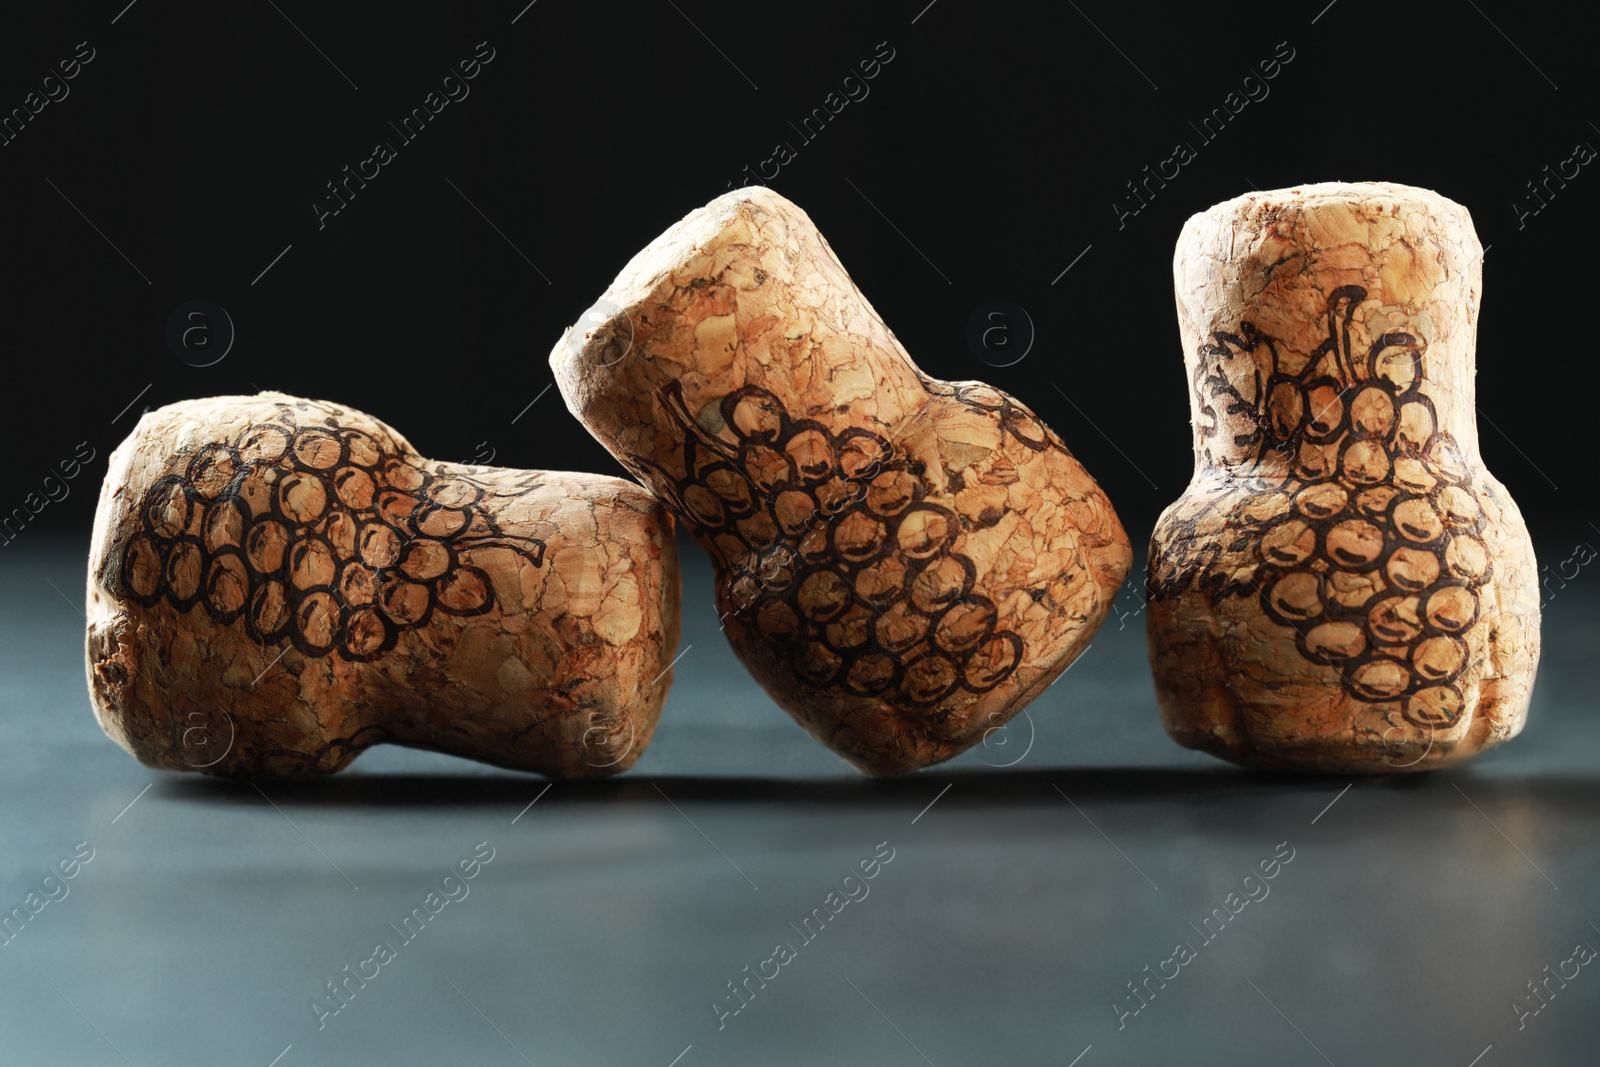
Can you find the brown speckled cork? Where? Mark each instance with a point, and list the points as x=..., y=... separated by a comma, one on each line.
x=1343, y=586
x=902, y=562
x=276, y=584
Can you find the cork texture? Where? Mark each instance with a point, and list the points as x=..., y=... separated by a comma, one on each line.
x=1342, y=586
x=276, y=584
x=901, y=562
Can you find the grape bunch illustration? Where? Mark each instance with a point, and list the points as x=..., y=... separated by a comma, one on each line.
x=308, y=529
x=834, y=551
x=1370, y=546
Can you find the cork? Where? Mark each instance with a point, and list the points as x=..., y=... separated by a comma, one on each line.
x=1343, y=586
x=277, y=584
x=901, y=562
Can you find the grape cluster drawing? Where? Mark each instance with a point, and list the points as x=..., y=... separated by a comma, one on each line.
x=305, y=528
x=1369, y=543
x=835, y=553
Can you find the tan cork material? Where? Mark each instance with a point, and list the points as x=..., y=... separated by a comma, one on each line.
x=902, y=562
x=1343, y=586
x=276, y=584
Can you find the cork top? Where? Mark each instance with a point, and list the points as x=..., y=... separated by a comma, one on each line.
x=741, y=293
x=1340, y=283
x=1286, y=251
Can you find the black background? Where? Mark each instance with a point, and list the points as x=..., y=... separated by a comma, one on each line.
x=991, y=147
x=996, y=141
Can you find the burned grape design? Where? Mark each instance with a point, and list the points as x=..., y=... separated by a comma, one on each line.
x=1369, y=545
x=834, y=551
x=305, y=528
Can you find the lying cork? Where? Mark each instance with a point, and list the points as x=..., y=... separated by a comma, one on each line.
x=1343, y=586
x=276, y=584
x=903, y=563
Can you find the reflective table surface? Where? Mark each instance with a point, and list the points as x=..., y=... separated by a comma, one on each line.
x=1077, y=891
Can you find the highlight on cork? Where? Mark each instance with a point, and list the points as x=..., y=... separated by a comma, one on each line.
x=276, y=584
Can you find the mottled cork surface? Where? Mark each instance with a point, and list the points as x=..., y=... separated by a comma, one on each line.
x=276, y=584
x=901, y=562
x=1343, y=585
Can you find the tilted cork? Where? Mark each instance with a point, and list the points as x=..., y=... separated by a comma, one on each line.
x=902, y=562
x=1343, y=586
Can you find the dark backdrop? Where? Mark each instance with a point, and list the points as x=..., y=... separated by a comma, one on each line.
x=984, y=160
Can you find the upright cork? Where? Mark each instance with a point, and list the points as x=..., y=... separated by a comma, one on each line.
x=277, y=584
x=902, y=562
x=1343, y=586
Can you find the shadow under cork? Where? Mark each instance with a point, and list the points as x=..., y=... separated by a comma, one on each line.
x=994, y=789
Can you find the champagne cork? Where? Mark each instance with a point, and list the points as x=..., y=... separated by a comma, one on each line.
x=901, y=562
x=276, y=584
x=1343, y=586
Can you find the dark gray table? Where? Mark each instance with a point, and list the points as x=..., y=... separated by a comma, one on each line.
x=1018, y=905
